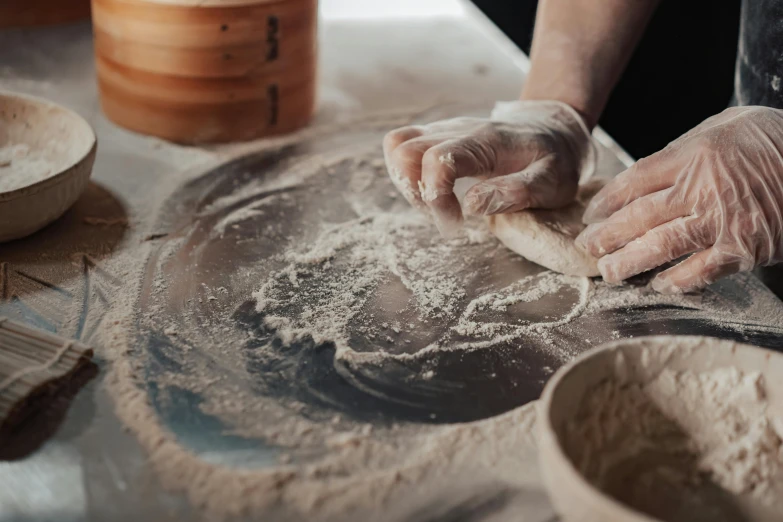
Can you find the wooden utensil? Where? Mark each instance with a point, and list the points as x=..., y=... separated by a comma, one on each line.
x=32, y=361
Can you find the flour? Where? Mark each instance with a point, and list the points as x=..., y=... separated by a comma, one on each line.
x=329, y=287
x=382, y=289
x=374, y=248
x=384, y=276
x=402, y=183
x=676, y=429
x=428, y=193
x=234, y=219
x=447, y=159
x=350, y=261
x=501, y=332
x=532, y=289
x=19, y=167
x=364, y=469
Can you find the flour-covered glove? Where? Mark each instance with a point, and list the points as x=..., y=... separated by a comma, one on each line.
x=716, y=191
x=529, y=154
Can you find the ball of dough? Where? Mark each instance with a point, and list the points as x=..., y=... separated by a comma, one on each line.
x=546, y=237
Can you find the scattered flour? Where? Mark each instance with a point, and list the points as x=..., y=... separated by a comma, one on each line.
x=428, y=194
x=349, y=262
x=447, y=159
x=242, y=214
x=327, y=289
x=501, y=332
x=344, y=266
x=402, y=183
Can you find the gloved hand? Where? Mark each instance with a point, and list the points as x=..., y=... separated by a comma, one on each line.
x=529, y=154
x=717, y=191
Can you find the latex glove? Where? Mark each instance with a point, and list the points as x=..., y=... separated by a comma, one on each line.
x=717, y=191
x=529, y=154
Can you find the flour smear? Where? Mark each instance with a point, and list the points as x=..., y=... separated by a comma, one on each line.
x=381, y=288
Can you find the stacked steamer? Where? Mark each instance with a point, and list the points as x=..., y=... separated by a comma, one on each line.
x=23, y=13
x=207, y=71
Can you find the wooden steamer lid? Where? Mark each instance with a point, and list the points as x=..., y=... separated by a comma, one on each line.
x=222, y=71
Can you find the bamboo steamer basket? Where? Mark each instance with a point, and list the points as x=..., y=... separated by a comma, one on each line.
x=214, y=72
x=25, y=13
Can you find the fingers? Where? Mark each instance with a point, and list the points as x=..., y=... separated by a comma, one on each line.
x=441, y=166
x=538, y=186
x=404, y=180
x=646, y=176
x=658, y=246
x=425, y=162
x=403, y=149
x=397, y=137
x=631, y=222
x=425, y=167
x=698, y=271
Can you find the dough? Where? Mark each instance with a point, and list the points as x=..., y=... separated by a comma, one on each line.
x=546, y=237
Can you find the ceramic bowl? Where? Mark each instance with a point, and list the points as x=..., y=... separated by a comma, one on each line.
x=54, y=148
x=635, y=360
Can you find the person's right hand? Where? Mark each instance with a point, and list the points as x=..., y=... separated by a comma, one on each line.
x=529, y=154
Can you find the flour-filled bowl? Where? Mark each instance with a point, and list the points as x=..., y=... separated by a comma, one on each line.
x=671, y=428
x=46, y=157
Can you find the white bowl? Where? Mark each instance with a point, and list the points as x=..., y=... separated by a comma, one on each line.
x=572, y=495
x=53, y=149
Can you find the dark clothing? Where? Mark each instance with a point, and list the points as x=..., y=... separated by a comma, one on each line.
x=681, y=73
x=758, y=78
x=760, y=54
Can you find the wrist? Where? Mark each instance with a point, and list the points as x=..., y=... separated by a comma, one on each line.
x=588, y=116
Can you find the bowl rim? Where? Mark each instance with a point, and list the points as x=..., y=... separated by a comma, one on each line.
x=61, y=173
x=551, y=439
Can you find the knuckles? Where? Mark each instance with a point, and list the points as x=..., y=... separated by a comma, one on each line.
x=397, y=137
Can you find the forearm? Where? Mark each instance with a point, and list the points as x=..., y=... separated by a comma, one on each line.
x=580, y=48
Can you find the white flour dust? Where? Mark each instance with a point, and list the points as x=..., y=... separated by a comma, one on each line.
x=324, y=290
x=428, y=194
x=387, y=273
x=385, y=279
x=19, y=167
x=403, y=184
x=675, y=430
x=372, y=249
x=530, y=289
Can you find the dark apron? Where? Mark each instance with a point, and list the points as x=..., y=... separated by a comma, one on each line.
x=758, y=78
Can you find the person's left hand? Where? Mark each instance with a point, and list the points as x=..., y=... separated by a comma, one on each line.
x=716, y=191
